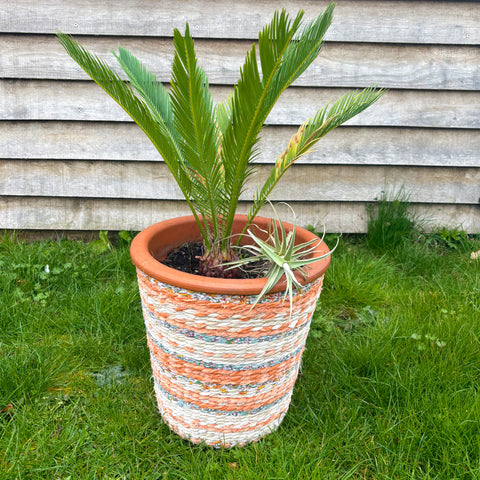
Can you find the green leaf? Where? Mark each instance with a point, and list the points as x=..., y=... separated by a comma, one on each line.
x=194, y=120
x=148, y=87
x=125, y=236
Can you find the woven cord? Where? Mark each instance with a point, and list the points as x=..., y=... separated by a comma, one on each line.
x=223, y=372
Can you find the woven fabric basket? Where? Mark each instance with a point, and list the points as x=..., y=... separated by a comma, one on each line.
x=224, y=373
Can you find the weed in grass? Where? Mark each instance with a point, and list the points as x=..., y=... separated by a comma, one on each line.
x=450, y=238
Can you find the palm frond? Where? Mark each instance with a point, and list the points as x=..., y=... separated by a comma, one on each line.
x=223, y=114
x=310, y=133
x=106, y=78
x=248, y=107
x=302, y=51
x=282, y=61
x=123, y=94
x=273, y=40
x=194, y=121
x=153, y=93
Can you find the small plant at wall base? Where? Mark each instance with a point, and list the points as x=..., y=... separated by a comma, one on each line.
x=210, y=149
x=390, y=221
x=451, y=238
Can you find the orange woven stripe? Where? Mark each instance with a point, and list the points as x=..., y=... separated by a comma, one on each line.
x=225, y=331
x=218, y=386
x=225, y=310
x=224, y=403
x=221, y=376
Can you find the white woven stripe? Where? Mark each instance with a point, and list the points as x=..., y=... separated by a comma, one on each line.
x=229, y=439
x=207, y=427
x=159, y=327
x=222, y=353
x=223, y=392
x=215, y=416
x=172, y=322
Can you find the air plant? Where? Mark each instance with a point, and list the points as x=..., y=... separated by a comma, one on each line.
x=281, y=255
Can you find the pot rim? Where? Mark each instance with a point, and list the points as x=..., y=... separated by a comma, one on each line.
x=162, y=237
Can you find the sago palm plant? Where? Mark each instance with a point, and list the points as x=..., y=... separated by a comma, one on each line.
x=210, y=150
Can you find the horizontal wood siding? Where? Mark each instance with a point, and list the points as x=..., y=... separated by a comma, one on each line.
x=46, y=100
x=73, y=160
x=147, y=180
x=104, y=214
x=355, y=20
x=424, y=67
x=348, y=145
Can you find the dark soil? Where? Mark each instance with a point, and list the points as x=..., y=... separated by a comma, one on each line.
x=186, y=259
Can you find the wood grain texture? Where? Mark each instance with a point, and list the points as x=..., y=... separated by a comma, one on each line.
x=95, y=214
x=431, y=67
x=150, y=181
x=346, y=145
x=355, y=20
x=85, y=101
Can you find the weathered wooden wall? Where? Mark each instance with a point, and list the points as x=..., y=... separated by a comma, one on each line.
x=72, y=160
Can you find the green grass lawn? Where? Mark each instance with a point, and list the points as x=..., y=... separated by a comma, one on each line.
x=389, y=387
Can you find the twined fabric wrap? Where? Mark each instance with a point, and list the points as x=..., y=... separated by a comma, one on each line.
x=224, y=373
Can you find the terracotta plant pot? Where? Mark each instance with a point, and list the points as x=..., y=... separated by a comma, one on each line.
x=224, y=373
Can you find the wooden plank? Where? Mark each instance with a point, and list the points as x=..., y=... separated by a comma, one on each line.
x=94, y=214
x=355, y=21
x=85, y=101
x=430, y=67
x=346, y=145
x=327, y=183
